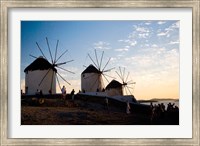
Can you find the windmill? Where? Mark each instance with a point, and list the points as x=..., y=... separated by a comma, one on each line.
x=92, y=76
x=43, y=74
x=127, y=84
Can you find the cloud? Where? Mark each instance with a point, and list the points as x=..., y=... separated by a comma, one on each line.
x=176, y=25
x=154, y=45
x=133, y=43
x=169, y=30
x=129, y=42
x=155, y=59
x=161, y=22
x=102, y=45
x=173, y=42
x=141, y=29
x=120, y=40
x=122, y=49
x=147, y=23
x=162, y=34
x=143, y=35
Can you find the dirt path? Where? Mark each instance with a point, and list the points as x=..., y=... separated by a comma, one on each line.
x=85, y=114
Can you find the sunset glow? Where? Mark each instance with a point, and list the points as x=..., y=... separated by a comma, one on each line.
x=149, y=50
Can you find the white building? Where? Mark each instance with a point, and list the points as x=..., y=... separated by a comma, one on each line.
x=91, y=80
x=34, y=74
x=114, y=88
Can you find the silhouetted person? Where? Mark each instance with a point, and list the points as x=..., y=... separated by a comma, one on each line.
x=37, y=93
x=128, y=108
x=50, y=91
x=106, y=103
x=72, y=94
x=63, y=90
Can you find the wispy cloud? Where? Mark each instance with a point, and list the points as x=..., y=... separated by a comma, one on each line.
x=141, y=32
x=161, y=22
x=155, y=58
x=122, y=49
x=147, y=23
x=141, y=29
x=162, y=34
x=129, y=42
x=102, y=45
x=154, y=45
x=173, y=42
x=167, y=31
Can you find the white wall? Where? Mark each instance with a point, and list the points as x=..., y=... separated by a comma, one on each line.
x=91, y=81
x=33, y=78
x=114, y=92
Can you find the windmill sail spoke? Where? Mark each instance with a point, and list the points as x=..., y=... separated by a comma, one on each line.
x=125, y=90
x=129, y=87
x=97, y=59
x=44, y=77
x=129, y=91
x=66, y=70
x=127, y=77
x=58, y=81
x=32, y=56
x=101, y=59
x=49, y=49
x=69, y=61
x=56, y=51
x=131, y=83
x=121, y=74
x=106, y=64
x=58, y=64
x=41, y=50
x=92, y=60
x=63, y=79
x=105, y=78
x=118, y=75
x=109, y=76
x=52, y=82
x=94, y=83
x=61, y=56
x=109, y=69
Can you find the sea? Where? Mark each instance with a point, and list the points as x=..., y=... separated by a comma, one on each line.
x=165, y=102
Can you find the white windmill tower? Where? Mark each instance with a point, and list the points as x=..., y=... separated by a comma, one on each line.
x=42, y=75
x=92, y=76
x=124, y=90
x=126, y=87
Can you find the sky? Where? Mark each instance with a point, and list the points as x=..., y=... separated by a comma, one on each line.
x=148, y=50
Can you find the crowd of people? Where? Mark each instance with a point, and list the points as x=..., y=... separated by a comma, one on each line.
x=159, y=112
x=64, y=93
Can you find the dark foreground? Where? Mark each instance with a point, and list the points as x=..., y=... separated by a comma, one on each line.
x=88, y=111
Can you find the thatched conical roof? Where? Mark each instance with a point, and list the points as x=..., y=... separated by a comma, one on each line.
x=113, y=84
x=91, y=69
x=39, y=64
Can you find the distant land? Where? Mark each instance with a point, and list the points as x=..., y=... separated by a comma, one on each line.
x=158, y=99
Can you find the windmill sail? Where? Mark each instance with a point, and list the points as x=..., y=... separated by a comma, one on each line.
x=127, y=83
x=92, y=77
x=47, y=75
